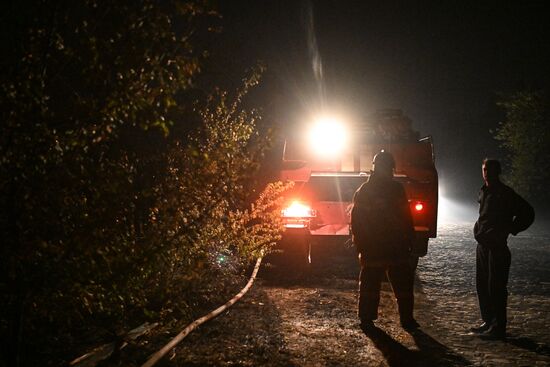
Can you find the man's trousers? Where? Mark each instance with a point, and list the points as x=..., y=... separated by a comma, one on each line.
x=492, y=270
x=401, y=277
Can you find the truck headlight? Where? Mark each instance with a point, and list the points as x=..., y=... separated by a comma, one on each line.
x=298, y=210
x=297, y=215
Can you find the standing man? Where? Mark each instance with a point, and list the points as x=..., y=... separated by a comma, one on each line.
x=501, y=212
x=383, y=232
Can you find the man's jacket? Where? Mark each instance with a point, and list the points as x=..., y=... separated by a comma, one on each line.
x=501, y=212
x=381, y=220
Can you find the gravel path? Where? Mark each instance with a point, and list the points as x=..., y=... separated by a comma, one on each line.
x=447, y=281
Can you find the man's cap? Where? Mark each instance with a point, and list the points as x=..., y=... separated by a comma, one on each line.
x=384, y=159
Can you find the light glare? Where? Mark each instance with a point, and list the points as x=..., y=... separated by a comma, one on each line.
x=298, y=210
x=455, y=212
x=328, y=137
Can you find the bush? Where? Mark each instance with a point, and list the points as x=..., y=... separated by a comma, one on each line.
x=122, y=199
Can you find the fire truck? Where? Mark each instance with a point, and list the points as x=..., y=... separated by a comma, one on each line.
x=328, y=162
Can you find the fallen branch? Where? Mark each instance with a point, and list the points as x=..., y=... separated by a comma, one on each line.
x=104, y=351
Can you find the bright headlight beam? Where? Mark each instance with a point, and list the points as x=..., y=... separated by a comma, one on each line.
x=328, y=136
x=298, y=210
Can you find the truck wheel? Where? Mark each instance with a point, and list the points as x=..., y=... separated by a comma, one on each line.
x=297, y=254
x=291, y=258
x=419, y=249
x=420, y=246
x=413, y=261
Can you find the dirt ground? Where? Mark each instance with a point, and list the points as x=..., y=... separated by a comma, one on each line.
x=309, y=320
x=307, y=317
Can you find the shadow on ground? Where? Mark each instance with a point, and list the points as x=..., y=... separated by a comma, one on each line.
x=430, y=352
x=529, y=344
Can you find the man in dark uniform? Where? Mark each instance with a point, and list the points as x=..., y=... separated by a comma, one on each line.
x=383, y=232
x=501, y=212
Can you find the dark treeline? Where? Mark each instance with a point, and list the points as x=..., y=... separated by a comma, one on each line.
x=127, y=193
x=524, y=134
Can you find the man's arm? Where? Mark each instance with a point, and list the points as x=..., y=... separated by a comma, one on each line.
x=357, y=227
x=524, y=215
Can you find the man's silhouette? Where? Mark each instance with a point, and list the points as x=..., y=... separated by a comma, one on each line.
x=383, y=232
x=501, y=212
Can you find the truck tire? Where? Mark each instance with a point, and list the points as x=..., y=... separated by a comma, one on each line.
x=291, y=257
x=420, y=246
x=419, y=249
x=296, y=252
x=413, y=261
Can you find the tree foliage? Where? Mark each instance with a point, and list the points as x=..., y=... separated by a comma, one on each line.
x=122, y=197
x=525, y=134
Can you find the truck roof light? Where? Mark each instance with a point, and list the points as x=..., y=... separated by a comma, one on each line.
x=327, y=137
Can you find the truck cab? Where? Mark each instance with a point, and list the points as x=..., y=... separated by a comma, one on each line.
x=329, y=162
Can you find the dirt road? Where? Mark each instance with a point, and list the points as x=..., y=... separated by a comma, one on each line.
x=311, y=320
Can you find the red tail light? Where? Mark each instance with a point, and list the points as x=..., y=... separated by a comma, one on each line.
x=297, y=215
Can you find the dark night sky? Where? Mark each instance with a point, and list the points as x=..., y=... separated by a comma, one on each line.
x=442, y=64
